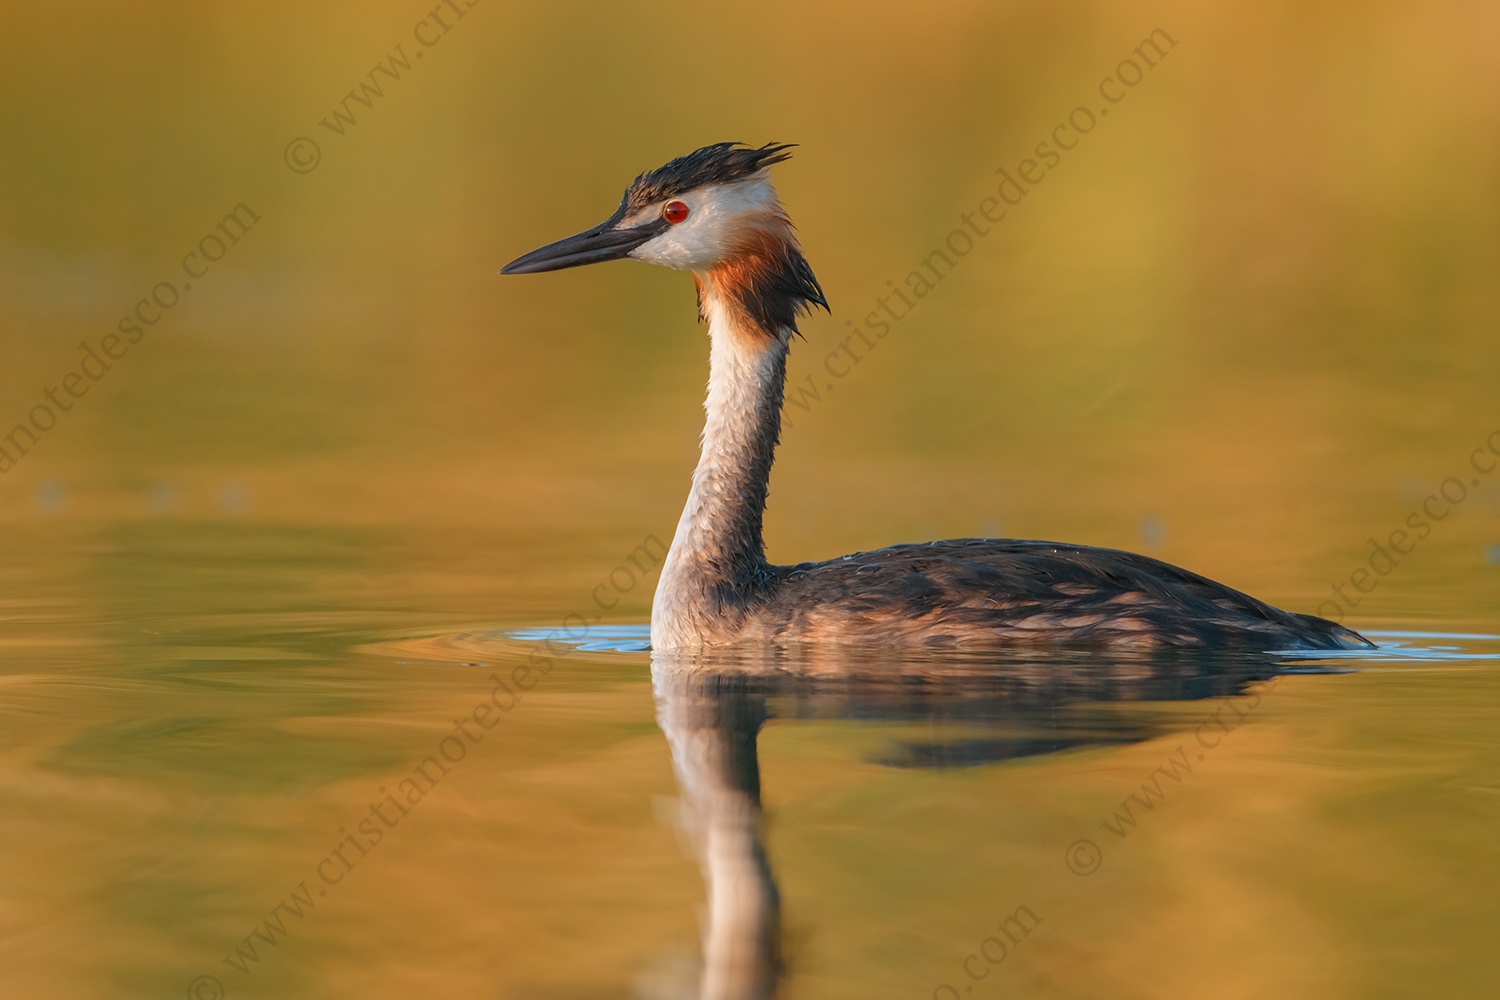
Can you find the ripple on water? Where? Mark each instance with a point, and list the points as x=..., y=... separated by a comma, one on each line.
x=1390, y=645
x=1397, y=646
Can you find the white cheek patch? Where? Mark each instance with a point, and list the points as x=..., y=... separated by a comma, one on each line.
x=679, y=247
x=716, y=213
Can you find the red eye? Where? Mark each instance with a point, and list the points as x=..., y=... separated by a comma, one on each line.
x=675, y=212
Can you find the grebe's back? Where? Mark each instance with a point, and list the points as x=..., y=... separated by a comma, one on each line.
x=1005, y=592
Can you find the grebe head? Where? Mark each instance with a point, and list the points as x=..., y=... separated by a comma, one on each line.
x=697, y=212
x=715, y=213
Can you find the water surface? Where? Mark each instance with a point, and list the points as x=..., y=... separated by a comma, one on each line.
x=269, y=565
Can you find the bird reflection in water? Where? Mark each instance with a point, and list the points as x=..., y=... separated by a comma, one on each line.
x=712, y=708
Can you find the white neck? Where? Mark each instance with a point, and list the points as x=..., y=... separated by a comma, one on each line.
x=717, y=559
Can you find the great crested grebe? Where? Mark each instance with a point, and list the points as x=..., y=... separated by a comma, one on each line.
x=715, y=213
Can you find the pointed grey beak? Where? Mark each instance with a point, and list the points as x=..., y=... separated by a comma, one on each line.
x=603, y=242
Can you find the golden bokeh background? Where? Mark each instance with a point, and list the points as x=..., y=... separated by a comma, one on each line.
x=1248, y=323
x=1255, y=304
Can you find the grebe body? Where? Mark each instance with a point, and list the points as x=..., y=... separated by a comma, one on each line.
x=715, y=213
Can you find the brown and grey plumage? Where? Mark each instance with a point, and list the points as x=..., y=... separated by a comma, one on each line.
x=715, y=213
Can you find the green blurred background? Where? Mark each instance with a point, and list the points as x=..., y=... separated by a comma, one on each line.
x=1247, y=323
x=1256, y=304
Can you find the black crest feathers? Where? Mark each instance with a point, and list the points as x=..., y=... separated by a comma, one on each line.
x=720, y=163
